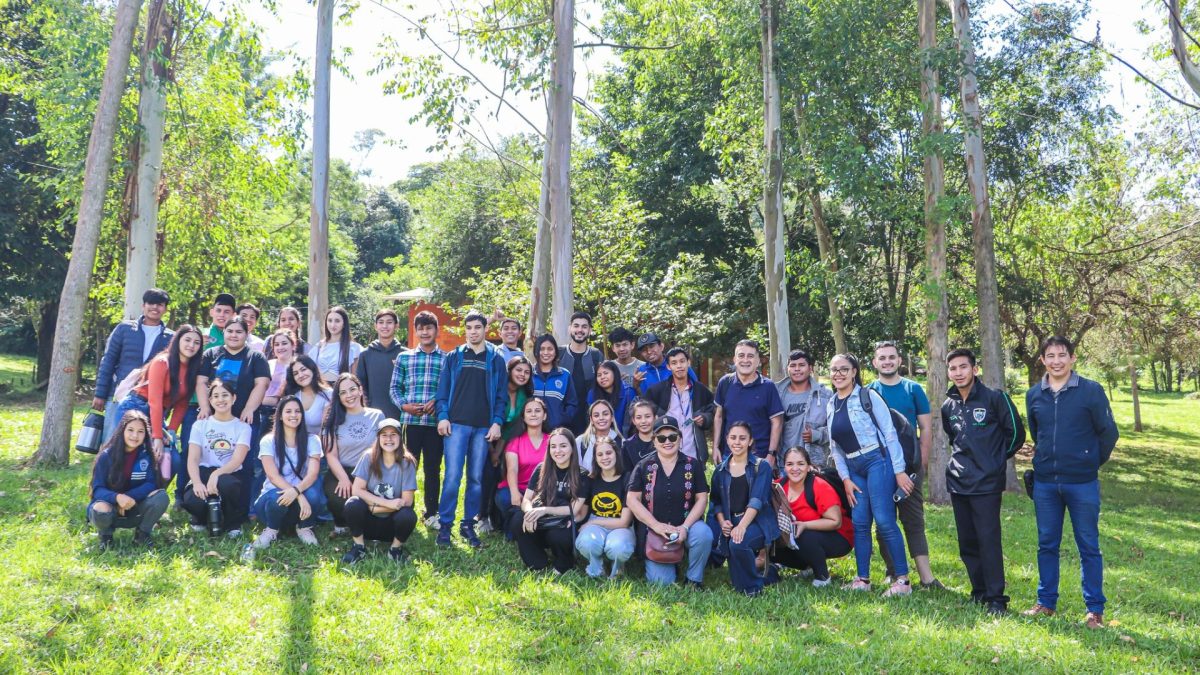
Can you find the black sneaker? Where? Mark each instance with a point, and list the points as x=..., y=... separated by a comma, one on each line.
x=357, y=552
x=106, y=542
x=143, y=539
x=693, y=585
x=997, y=608
x=398, y=554
x=443, y=538
x=467, y=532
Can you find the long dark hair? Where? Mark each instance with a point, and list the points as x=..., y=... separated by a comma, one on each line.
x=316, y=385
x=171, y=354
x=598, y=473
x=337, y=410
x=551, y=474
x=812, y=470
x=518, y=360
x=537, y=349
x=519, y=427
x=344, y=364
x=613, y=397
x=402, y=454
x=117, y=451
x=278, y=430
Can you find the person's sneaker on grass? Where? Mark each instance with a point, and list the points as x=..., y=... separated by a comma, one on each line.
x=1038, y=609
x=859, y=584
x=143, y=539
x=339, y=530
x=1094, y=620
x=356, y=553
x=934, y=585
x=997, y=608
x=234, y=533
x=898, y=587
x=485, y=526
x=431, y=522
x=306, y=535
x=105, y=543
x=467, y=532
x=443, y=538
x=398, y=555
x=265, y=538
x=197, y=527
x=818, y=582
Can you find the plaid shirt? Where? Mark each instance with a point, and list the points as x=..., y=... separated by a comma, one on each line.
x=415, y=380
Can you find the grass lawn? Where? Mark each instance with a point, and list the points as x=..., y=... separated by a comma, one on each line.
x=16, y=371
x=191, y=606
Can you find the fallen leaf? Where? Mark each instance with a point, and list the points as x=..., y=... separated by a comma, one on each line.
x=995, y=659
x=1128, y=639
x=1114, y=622
x=214, y=554
x=304, y=667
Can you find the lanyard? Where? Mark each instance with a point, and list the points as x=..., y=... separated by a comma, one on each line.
x=687, y=412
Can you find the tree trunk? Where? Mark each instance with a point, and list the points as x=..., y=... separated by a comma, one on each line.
x=775, y=270
x=539, y=289
x=1154, y=374
x=1167, y=376
x=318, y=224
x=45, y=340
x=937, y=310
x=141, y=262
x=562, y=76
x=828, y=252
x=54, y=445
x=1133, y=392
x=1191, y=74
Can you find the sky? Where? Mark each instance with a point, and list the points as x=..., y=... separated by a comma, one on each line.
x=360, y=104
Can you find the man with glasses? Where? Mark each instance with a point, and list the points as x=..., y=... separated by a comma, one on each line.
x=131, y=344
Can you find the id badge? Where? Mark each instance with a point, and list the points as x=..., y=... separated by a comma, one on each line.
x=687, y=421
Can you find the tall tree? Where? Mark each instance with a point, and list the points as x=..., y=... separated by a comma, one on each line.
x=318, y=225
x=64, y=374
x=1179, y=48
x=562, y=87
x=539, y=289
x=775, y=272
x=141, y=264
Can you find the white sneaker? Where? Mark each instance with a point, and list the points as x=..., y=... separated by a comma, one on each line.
x=339, y=531
x=234, y=533
x=432, y=523
x=485, y=526
x=306, y=535
x=264, y=540
x=198, y=528
x=821, y=583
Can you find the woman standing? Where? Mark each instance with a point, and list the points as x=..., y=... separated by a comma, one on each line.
x=125, y=489
x=610, y=387
x=870, y=462
x=553, y=502
x=216, y=451
x=741, y=517
x=385, y=485
x=608, y=532
x=338, y=352
x=600, y=426
x=304, y=381
x=349, y=432
x=289, y=319
x=523, y=453
x=291, y=460
x=668, y=494
x=821, y=530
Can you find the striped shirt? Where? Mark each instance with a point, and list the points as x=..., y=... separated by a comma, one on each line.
x=415, y=380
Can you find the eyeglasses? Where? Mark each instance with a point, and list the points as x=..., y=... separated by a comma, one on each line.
x=667, y=438
x=840, y=370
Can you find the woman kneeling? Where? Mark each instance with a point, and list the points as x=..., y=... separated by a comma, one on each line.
x=291, y=461
x=385, y=484
x=821, y=529
x=553, y=501
x=608, y=532
x=742, y=519
x=125, y=485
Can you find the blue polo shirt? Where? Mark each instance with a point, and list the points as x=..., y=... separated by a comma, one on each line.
x=755, y=403
x=906, y=397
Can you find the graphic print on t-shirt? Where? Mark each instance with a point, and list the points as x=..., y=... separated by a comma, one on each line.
x=220, y=444
x=384, y=490
x=607, y=504
x=357, y=429
x=229, y=370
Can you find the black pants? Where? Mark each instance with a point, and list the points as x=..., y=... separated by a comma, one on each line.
x=977, y=518
x=397, y=525
x=491, y=478
x=424, y=441
x=233, y=499
x=336, y=504
x=911, y=514
x=815, y=549
x=533, y=545
x=143, y=516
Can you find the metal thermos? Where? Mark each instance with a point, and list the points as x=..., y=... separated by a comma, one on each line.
x=214, y=515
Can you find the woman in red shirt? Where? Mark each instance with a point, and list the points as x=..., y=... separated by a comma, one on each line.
x=821, y=530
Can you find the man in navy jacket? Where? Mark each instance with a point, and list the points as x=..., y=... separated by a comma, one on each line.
x=127, y=348
x=1074, y=433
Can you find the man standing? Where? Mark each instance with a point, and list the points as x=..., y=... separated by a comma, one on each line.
x=377, y=364
x=984, y=431
x=685, y=399
x=130, y=346
x=471, y=398
x=654, y=367
x=746, y=396
x=250, y=314
x=1073, y=434
x=622, y=341
x=803, y=398
x=414, y=391
x=908, y=398
x=221, y=312
x=581, y=361
x=510, y=336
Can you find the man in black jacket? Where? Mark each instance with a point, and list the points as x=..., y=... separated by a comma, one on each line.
x=687, y=400
x=985, y=430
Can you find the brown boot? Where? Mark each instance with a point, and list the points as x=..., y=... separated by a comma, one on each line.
x=1038, y=610
x=1094, y=620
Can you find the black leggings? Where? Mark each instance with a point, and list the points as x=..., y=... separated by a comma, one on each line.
x=336, y=504
x=233, y=501
x=532, y=545
x=815, y=549
x=425, y=441
x=397, y=525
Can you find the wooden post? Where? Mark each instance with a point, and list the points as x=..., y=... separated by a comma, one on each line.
x=775, y=270
x=562, y=76
x=318, y=224
x=55, y=441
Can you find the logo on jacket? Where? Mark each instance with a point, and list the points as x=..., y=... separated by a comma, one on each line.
x=980, y=414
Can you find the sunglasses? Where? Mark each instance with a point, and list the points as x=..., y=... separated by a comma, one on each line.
x=667, y=438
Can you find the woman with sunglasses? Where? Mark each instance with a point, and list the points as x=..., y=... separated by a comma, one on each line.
x=741, y=517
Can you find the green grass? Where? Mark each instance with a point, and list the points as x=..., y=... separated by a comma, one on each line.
x=16, y=371
x=190, y=606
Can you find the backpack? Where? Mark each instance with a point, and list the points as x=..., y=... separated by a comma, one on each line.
x=829, y=476
x=904, y=431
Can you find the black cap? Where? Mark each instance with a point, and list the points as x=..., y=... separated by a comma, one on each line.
x=665, y=422
x=648, y=339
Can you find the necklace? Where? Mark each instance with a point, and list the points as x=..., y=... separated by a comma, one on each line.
x=838, y=408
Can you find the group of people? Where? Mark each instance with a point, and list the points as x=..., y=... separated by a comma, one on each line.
x=574, y=455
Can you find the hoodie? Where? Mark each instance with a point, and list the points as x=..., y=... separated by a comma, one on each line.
x=375, y=367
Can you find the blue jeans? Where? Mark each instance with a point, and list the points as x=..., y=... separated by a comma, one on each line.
x=873, y=476
x=277, y=517
x=246, y=472
x=465, y=446
x=135, y=402
x=743, y=570
x=597, y=543
x=699, y=546
x=1082, y=500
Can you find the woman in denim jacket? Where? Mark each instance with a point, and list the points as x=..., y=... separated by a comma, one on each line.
x=870, y=462
x=740, y=512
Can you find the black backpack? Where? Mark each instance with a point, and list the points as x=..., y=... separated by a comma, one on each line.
x=904, y=431
x=829, y=476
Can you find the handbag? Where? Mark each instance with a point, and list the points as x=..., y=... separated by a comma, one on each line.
x=554, y=522
x=658, y=548
x=783, y=515
x=91, y=433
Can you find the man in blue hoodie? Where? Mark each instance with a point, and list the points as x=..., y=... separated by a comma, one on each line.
x=471, y=399
x=1073, y=431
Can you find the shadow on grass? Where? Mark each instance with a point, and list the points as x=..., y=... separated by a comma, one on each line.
x=298, y=650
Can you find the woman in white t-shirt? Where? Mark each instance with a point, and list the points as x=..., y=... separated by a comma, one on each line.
x=385, y=485
x=217, y=447
x=338, y=352
x=291, y=460
x=304, y=381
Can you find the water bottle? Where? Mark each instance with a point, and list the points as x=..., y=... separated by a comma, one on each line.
x=900, y=496
x=214, y=515
x=248, y=553
x=165, y=465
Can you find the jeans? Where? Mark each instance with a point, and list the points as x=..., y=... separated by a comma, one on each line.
x=743, y=569
x=911, y=512
x=1082, y=501
x=247, y=472
x=424, y=441
x=395, y=526
x=144, y=515
x=134, y=402
x=699, y=546
x=111, y=419
x=597, y=543
x=464, y=446
x=277, y=517
x=873, y=476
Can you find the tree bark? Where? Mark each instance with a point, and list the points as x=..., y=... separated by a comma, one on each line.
x=45, y=340
x=539, y=289
x=1187, y=67
x=54, y=444
x=937, y=306
x=562, y=76
x=1133, y=392
x=828, y=252
x=775, y=270
x=141, y=262
x=318, y=224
